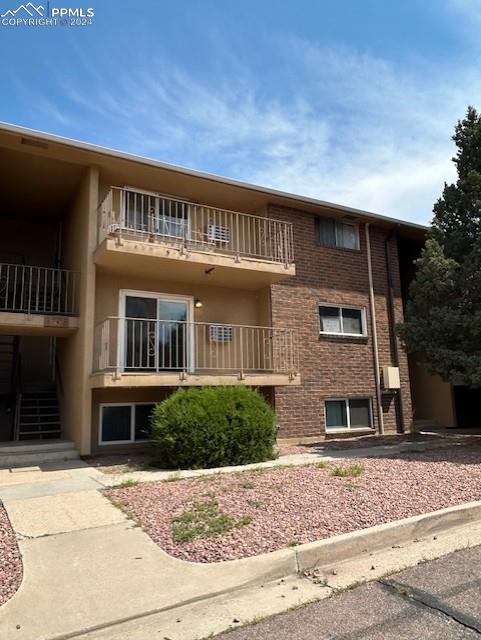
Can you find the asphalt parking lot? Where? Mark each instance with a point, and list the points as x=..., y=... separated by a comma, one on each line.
x=438, y=599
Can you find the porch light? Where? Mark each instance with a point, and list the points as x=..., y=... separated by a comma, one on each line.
x=197, y=303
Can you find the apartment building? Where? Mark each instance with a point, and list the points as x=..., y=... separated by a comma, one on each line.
x=122, y=279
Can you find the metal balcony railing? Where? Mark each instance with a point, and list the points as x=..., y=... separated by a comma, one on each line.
x=28, y=289
x=137, y=345
x=194, y=227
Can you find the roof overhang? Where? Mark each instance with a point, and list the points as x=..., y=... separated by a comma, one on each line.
x=196, y=185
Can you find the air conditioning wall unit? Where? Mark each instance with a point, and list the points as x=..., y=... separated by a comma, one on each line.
x=218, y=233
x=221, y=333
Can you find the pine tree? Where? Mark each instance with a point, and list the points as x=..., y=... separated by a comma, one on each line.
x=443, y=313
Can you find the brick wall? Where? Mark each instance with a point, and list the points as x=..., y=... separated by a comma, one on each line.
x=336, y=367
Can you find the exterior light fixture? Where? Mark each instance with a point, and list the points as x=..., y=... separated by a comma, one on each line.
x=197, y=303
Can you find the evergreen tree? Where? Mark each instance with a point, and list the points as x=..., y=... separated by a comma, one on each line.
x=443, y=314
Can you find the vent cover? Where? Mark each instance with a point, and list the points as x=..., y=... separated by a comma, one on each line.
x=218, y=233
x=220, y=333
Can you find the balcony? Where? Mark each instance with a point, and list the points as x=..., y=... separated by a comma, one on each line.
x=134, y=352
x=38, y=300
x=143, y=232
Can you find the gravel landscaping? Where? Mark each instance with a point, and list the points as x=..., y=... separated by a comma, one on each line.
x=223, y=517
x=10, y=559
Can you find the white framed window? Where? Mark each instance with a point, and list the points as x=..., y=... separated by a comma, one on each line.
x=348, y=414
x=342, y=320
x=124, y=422
x=338, y=233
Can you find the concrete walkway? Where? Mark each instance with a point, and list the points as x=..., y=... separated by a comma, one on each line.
x=86, y=565
x=88, y=568
x=292, y=460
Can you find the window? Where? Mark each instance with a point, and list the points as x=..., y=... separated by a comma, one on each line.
x=338, y=233
x=347, y=321
x=121, y=423
x=348, y=414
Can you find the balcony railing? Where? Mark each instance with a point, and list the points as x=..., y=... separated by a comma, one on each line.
x=27, y=289
x=194, y=227
x=137, y=345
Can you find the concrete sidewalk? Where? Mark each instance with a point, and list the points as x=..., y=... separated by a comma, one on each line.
x=86, y=565
x=296, y=459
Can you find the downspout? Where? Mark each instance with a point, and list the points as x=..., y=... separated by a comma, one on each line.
x=375, y=349
x=392, y=322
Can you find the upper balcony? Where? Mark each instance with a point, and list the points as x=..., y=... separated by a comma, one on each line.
x=140, y=232
x=38, y=300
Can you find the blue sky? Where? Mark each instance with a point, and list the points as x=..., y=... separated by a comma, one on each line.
x=348, y=101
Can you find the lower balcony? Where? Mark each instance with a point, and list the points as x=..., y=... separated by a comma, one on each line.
x=38, y=300
x=139, y=352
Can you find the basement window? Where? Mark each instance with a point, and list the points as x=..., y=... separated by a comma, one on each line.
x=125, y=422
x=348, y=414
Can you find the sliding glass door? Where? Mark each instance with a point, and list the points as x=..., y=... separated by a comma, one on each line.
x=157, y=333
x=151, y=213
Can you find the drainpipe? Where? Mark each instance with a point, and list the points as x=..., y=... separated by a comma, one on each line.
x=392, y=322
x=375, y=349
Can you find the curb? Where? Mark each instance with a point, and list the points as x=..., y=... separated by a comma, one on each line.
x=350, y=545
x=279, y=564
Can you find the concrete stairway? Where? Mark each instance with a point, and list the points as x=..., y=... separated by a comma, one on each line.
x=22, y=454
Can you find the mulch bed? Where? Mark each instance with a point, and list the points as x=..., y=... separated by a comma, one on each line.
x=10, y=560
x=295, y=505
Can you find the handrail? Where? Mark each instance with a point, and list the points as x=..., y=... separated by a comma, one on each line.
x=33, y=289
x=165, y=196
x=141, y=345
x=227, y=324
x=17, y=388
x=142, y=216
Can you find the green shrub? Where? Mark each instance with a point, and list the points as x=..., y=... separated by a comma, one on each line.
x=205, y=427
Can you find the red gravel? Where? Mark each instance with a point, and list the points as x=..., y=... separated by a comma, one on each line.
x=303, y=504
x=10, y=559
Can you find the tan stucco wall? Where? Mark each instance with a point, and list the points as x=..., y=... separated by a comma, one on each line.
x=432, y=398
x=220, y=304
x=75, y=352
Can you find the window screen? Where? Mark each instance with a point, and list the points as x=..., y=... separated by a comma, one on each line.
x=142, y=421
x=116, y=423
x=351, y=321
x=336, y=416
x=327, y=231
x=359, y=413
x=330, y=319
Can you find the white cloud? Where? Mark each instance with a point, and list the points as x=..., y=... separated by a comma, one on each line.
x=346, y=127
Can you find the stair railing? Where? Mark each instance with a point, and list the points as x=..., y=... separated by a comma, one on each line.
x=17, y=390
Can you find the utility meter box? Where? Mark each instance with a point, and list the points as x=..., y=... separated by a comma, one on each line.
x=390, y=378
